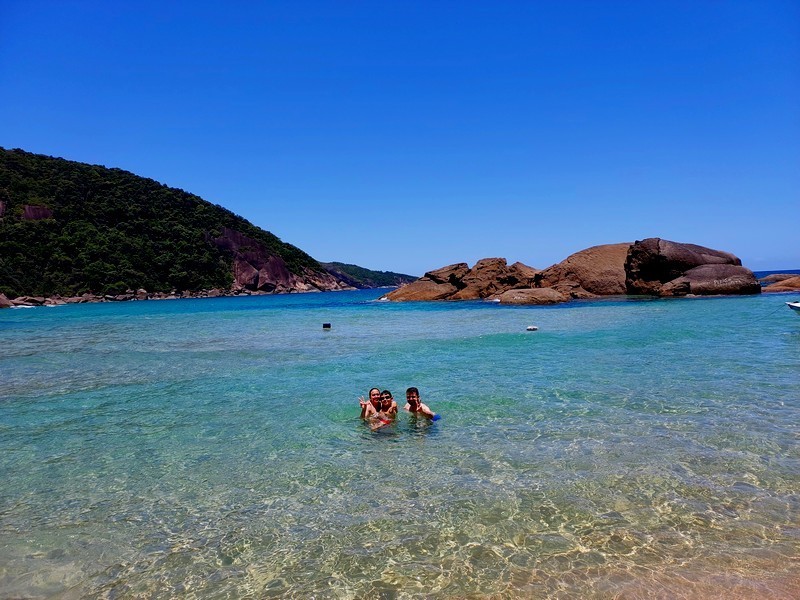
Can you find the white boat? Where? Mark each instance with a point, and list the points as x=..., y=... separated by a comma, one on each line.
x=795, y=306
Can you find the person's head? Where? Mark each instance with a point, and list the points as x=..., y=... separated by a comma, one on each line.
x=375, y=397
x=386, y=399
x=412, y=396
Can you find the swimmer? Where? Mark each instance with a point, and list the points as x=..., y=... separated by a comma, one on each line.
x=388, y=405
x=373, y=405
x=415, y=406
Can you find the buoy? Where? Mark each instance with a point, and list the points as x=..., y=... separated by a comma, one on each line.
x=532, y=328
x=326, y=325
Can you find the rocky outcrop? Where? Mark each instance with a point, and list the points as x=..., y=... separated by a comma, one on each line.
x=489, y=277
x=595, y=271
x=788, y=284
x=533, y=296
x=776, y=278
x=659, y=267
x=255, y=268
x=649, y=267
x=492, y=276
x=712, y=280
x=5, y=302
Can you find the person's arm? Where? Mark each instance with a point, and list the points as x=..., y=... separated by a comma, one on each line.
x=423, y=408
x=364, y=404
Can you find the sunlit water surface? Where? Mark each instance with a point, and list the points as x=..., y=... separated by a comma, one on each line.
x=212, y=449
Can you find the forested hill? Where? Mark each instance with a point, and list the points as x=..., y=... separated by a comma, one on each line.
x=68, y=228
x=361, y=277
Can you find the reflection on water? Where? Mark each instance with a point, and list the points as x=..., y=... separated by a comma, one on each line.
x=630, y=450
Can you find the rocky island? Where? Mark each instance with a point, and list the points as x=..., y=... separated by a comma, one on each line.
x=653, y=266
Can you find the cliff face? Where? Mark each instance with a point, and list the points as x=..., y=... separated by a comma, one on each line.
x=256, y=269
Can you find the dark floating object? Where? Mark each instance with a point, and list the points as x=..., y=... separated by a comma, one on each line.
x=532, y=328
x=326, y=325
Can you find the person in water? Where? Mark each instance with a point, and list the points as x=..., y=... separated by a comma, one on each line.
x=388, y=405
x=373, y=405
x=378, y=411
x=415, y=406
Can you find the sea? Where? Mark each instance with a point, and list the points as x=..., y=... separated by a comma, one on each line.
x=212, y=448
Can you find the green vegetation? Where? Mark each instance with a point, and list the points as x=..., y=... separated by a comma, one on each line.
x=111, y=230
x=364, y=278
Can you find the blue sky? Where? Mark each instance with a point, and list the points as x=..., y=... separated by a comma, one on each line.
x=409, y=135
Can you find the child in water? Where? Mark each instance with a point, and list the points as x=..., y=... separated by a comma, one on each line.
x=416, y=407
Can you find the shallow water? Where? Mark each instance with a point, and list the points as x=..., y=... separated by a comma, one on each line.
x=212, y=449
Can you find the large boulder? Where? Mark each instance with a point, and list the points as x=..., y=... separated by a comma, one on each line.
x=663, y=268
x=5, y=302
x=713, y=279
x=599, y=270
x=532, y=296
x=489, y=277
x=423, y=288
x=788, y=284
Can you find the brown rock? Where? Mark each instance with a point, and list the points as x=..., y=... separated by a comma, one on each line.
x=571, y=289
x=532, y=296
x=488, y=276
x=776, y=277
x=5, y=302
x=791, y=284
x=451, y=274
x=524, y=274
x=422, y=289
x=599, y=270
x=28, y=301
x=653, y=262
x=245, y=275
x=715, y=279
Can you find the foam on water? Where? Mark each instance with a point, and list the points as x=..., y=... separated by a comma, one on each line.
x=211, y=448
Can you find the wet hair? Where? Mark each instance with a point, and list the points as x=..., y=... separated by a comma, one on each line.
x=374, y=389
x=412, y=390
x=386, y=393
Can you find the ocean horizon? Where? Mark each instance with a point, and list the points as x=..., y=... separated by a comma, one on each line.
x=212, y=448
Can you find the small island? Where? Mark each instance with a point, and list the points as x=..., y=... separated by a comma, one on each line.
x=649, y=267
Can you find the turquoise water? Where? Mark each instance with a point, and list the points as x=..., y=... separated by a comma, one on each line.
x=212, y=449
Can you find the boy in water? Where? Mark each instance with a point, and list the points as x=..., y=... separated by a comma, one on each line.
x=388, y=405
x=415, y=406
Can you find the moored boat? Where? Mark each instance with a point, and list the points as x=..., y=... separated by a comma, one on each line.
x=795, y=306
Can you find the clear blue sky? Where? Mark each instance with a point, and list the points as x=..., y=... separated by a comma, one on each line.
x=408, y=135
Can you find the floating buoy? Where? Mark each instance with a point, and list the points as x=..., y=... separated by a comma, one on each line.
x=326, y=325
x=532, y=328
